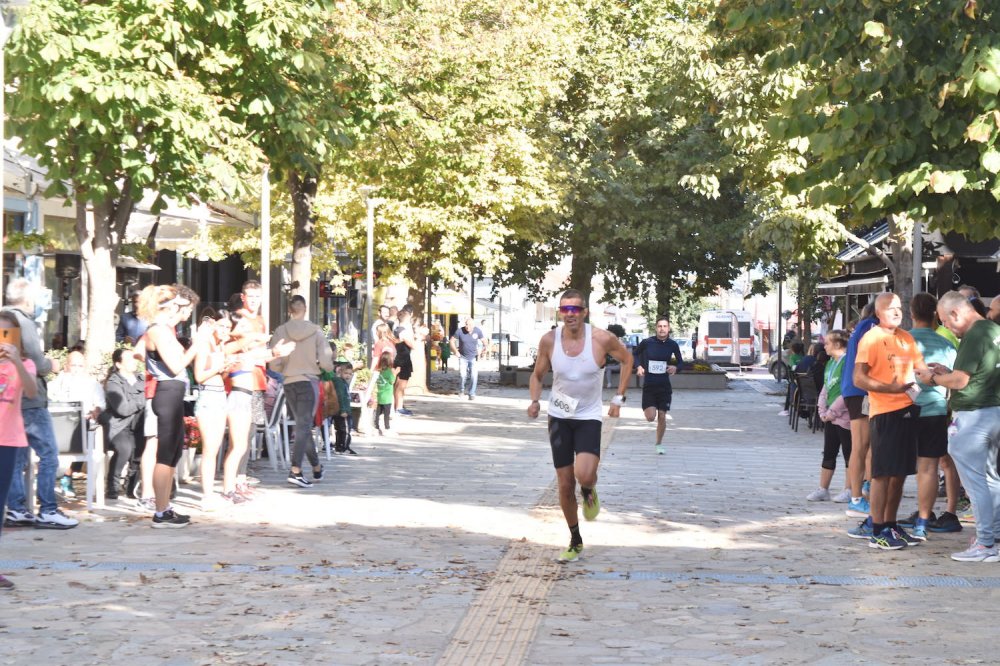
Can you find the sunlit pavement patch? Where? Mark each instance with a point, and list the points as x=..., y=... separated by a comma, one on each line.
x=772, y=579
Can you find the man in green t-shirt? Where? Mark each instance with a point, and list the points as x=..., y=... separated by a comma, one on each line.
x=975, y=402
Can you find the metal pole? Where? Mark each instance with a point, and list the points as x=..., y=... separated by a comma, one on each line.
x=265, y=246
x=369, y=275
x=918, y=255
x=500, y=332
x=781, y=286
x=472, y=295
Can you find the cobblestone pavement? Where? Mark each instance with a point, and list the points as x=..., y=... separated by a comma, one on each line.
x=436, y=545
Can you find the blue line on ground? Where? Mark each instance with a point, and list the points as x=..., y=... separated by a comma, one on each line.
x=371, y=572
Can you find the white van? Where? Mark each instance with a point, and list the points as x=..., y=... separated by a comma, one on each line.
x=716, y=330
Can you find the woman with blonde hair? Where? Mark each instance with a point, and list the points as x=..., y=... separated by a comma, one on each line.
x=166, y=360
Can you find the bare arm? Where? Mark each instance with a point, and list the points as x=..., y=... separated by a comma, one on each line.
x=613, y=346
x=953, y=379
x=543, y=363
x=863, y=381
x=173, y=354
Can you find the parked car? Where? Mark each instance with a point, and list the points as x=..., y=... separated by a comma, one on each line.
x=687, y=351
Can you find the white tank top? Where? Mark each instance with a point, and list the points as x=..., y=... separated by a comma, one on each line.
x=576, y=382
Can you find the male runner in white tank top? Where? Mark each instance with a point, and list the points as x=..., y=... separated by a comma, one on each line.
x=575, y=353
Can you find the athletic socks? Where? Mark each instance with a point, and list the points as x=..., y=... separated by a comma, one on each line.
x=575, y=538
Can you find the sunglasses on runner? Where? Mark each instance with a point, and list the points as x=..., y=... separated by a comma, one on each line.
x=571, y=309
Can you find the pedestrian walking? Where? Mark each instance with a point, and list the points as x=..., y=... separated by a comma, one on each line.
x=301, y=368
x=468, y=343
x=575, y=352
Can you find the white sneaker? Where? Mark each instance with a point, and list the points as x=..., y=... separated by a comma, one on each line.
x=19, y=518
x=977, y=553
x=783, y=412
x=56, y=520
x=819, y=495
x=843, y=496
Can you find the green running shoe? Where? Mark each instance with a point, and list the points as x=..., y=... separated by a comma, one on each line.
x=660, y=450
x=591, y=505
x=571, y=554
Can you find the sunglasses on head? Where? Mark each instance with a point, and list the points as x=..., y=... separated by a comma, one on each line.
x=571, y=309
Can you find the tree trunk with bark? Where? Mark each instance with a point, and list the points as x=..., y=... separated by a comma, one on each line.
x=302, y=189
x=100, y=237
x=664, y=295
x=901, y=242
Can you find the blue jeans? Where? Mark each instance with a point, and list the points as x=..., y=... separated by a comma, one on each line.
x=973, y=444
x=8, y=456
x=41, y=438
x=467, y=368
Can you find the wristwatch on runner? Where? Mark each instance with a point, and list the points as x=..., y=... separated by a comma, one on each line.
x=618, y=400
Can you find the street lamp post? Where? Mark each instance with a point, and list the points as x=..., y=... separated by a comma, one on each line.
x=370, y=204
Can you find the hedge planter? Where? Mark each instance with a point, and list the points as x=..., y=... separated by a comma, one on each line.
x=714, y=380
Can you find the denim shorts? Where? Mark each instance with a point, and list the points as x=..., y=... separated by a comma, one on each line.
x=211, y=400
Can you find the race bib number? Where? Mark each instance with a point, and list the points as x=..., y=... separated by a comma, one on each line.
x=563, y=403
x=657, y=367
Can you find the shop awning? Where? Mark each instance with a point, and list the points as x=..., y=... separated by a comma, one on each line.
x=864, y=283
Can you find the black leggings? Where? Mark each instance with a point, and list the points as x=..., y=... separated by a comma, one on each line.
x=834, y=438
x=123, y=445
x=384, y=411
x=168, y=405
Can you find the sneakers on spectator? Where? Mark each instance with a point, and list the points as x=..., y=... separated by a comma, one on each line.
x=977, y=552
x=403, y=411
x=299, y=480
x=55, y=520
x=234, y=498
x=946, y=522
x=66, y=488
x=6, y=584
x=147, y=504
x=911, y=520
x=920, y=529
x=318, y=474
x=863, y=530
x=905, y=536
x=819, y=495
x=843, y=497
x=252, y=480
x=783, y=412
x=967, y=516
x=866, y=488
x=887, y=539
x=170, y=519
x=859, y=509
x=19, y=519
x=660, y=450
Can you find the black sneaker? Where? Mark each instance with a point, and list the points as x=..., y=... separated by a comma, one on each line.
x=946, y=522
x=171, y=519
x=299, y=480
x=318, y=475
x=911, y=520
x=351, y=451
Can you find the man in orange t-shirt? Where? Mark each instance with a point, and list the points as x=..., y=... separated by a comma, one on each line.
x=887, y=357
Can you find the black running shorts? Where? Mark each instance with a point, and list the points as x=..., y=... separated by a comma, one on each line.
x=855, y=404
x=569, y=437
x=405, y=368
x=657, y=395
x=932, y=436
x=894, y=442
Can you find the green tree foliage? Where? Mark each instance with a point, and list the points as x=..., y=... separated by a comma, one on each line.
x=449, y=150
x=100, y=97
x=631, y=135
x=892, y=106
